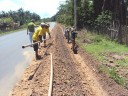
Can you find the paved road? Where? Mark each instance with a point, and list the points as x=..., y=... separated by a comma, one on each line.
x=14, y=59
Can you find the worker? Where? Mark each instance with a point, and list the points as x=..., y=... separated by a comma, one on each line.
x=31, y=29
x=69, y=35
x=44, y=36
x=37, y=36
x=66, y=32
x=73, y=37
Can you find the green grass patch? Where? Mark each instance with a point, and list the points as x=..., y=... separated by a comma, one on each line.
x=100, y=47
x=123, y=63
x=112, y=73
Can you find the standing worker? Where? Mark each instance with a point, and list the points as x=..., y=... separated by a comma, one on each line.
x=65, y=32
x=31, y=29
x=69, y=35
x=37, y=36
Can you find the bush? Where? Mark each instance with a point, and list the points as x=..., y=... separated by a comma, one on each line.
x=104, y=19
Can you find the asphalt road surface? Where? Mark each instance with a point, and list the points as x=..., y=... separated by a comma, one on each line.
x=14, y=59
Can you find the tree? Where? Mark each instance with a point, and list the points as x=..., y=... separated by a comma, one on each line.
x=96, y=14
x=65, y=13
x=20, y=15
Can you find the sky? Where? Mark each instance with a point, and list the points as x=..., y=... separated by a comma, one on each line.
x=44, y=8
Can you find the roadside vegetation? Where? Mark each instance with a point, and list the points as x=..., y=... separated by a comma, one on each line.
x=106, y=17
x=112, y=57
x=106, y=24
x=24, y=26
x=12, y=21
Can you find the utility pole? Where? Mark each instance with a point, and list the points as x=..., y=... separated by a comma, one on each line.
x=75, y=14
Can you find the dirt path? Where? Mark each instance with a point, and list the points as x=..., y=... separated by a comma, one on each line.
x=73, y=75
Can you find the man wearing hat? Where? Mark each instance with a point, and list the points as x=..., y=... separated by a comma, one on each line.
x=46, y=30
x=37, y=36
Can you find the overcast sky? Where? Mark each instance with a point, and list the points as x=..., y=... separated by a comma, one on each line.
x=44, y=8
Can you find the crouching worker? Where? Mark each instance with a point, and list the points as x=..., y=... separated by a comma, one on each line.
x=37, y=36
x=44, y=36
x=73, y=37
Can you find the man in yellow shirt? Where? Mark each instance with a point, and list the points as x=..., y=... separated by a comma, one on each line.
x=37, y=36
x=46, y=30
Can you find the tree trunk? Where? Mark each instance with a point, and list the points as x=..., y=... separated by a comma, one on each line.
x=120, y=35
x=97, y=5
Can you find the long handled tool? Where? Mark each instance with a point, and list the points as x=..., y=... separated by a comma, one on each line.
x=45, y=53
x=24, y=46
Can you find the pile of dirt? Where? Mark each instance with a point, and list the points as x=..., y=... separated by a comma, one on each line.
x=74, y=74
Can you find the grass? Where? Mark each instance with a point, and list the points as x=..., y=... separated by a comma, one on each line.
x=112, y=73
x=123, y=63
x=100, y=47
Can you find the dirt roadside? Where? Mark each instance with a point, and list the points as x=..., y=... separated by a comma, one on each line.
x=74, y=74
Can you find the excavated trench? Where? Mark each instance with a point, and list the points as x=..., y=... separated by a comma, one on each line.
x=71, y=74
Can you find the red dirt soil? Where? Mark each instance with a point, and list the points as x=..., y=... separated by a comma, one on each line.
x=74, y=74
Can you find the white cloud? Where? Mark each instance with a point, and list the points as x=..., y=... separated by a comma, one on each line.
x=6, y=5
x=45, y=8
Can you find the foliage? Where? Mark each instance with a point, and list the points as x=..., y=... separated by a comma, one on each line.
x=19, y=15
x=6, y=20
x=46, y=20
x=101, y=45
x=85, y=11
x=65, y=13
x=96, y=15
x=104, y=19
x=100, y=48
x=113, y=74
x=88, y=11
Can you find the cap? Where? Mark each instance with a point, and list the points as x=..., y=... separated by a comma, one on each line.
x=32, y=20
x=72, y=29
x=42, y=24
